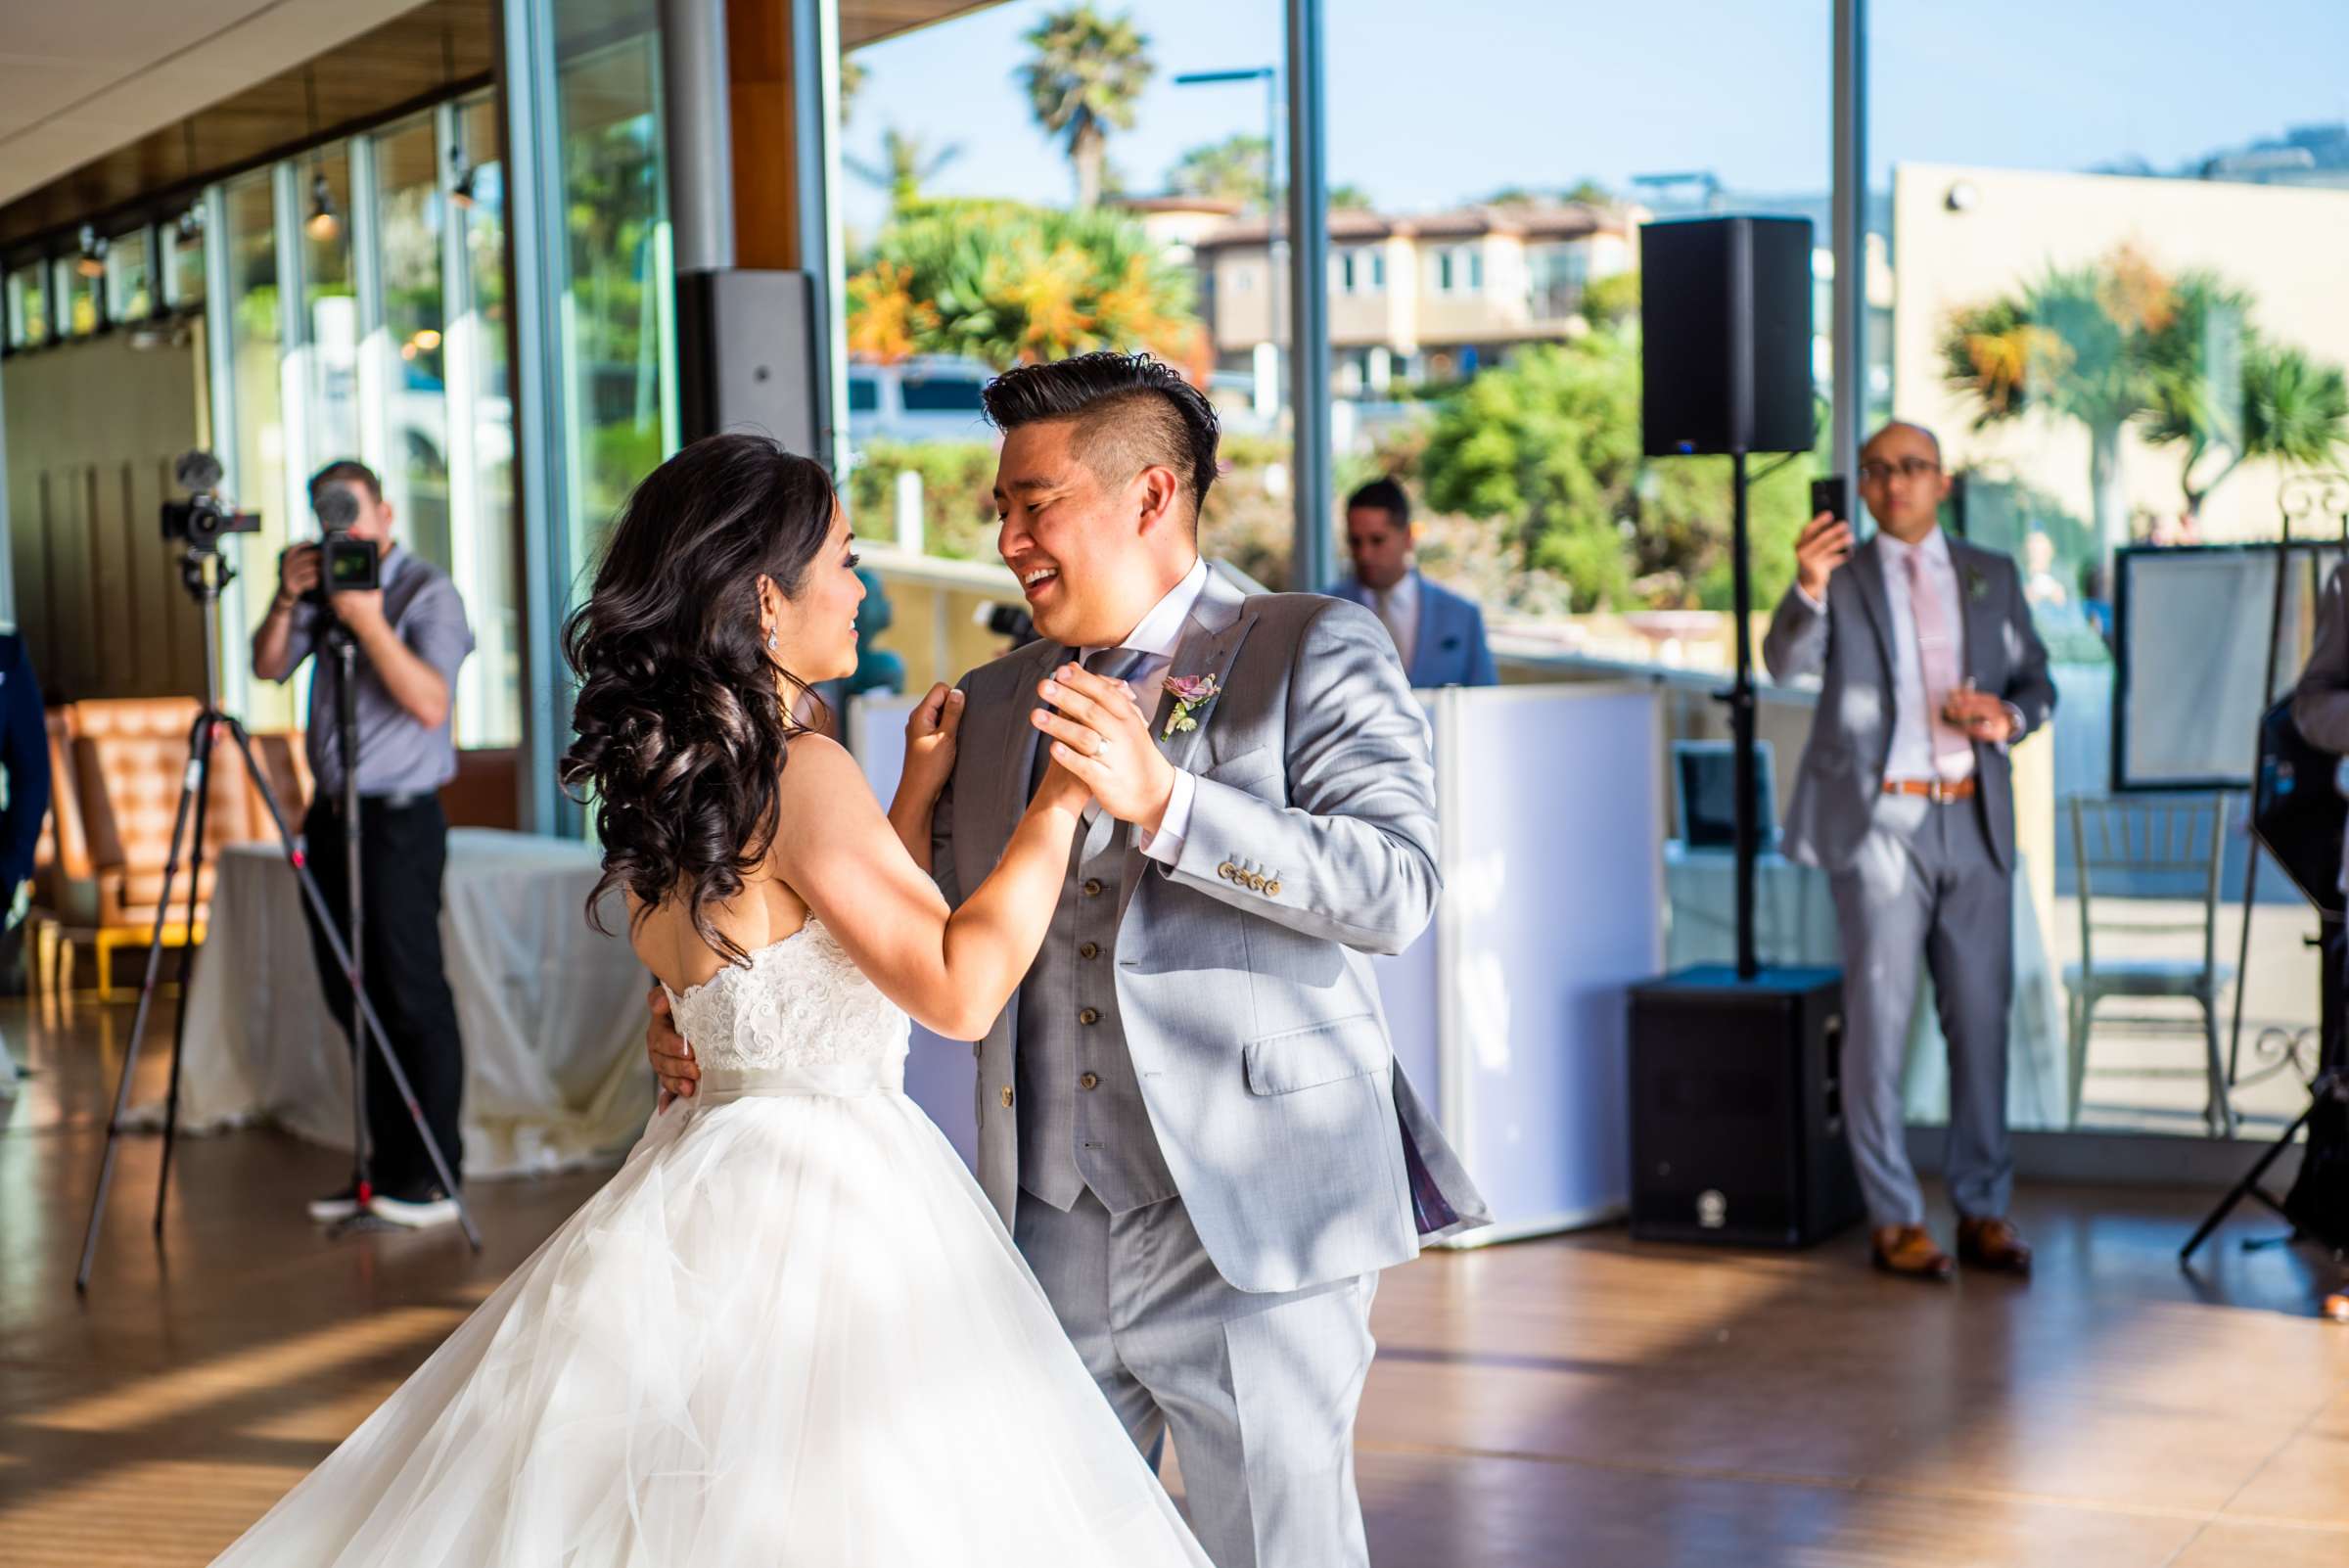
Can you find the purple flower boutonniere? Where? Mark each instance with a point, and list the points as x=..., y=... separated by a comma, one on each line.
x=1190, y=693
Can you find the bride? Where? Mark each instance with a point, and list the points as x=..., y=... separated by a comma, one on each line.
x=791, y=1330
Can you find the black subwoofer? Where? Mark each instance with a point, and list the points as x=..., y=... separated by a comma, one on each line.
x=1737, y=1132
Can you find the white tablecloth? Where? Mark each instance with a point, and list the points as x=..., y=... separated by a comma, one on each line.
x=552, y=1013
x=1794, y=923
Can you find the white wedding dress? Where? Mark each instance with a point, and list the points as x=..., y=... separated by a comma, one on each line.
x=790, y=1331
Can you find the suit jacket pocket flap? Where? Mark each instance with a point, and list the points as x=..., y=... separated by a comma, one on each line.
x=1324, y=1053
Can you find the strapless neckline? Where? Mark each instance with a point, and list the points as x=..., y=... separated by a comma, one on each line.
x=757, y=956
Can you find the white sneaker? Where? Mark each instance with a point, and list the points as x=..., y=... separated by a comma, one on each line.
x=335, y=1207
x=420, y=1212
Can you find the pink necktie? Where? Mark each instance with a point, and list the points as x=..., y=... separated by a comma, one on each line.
x=1937, y=655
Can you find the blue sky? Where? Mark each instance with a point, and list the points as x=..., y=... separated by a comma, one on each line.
x=1433, y=101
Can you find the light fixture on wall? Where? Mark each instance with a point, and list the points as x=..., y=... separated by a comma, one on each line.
x=91, y=262
x=460, y=177
x=324, y=225
x=189, y=226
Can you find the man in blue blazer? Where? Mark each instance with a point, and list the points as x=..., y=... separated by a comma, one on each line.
x=1439, y=636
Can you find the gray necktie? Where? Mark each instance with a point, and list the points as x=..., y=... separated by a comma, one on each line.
x=1117, y=663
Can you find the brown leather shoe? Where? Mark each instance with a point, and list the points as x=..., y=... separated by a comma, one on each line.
x=1910, y=1250
x=1993, y=1245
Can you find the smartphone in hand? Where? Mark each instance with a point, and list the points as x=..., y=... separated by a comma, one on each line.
x=1832, y=494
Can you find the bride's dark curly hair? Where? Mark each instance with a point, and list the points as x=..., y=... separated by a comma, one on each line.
x=682, y=726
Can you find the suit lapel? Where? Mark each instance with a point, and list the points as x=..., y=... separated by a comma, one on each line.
x=1975, y=615
x=1424, y=637
x=1867, y=575
x=1211, y=642
x=1019, y=744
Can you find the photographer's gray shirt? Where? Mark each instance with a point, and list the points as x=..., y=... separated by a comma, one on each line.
x=397, y=755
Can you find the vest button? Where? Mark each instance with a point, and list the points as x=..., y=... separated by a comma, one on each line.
x=1091, y=949
x=1091, y=1080
x=1092, y=887
x=1089, y=1016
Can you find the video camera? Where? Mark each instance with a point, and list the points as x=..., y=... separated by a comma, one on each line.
x=204, y=517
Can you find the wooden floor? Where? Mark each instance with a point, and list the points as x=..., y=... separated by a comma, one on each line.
x=1581, y=1401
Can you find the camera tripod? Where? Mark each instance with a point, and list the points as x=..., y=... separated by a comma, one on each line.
x=203, y=573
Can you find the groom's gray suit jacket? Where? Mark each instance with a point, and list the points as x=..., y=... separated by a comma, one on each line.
x=1240, y=974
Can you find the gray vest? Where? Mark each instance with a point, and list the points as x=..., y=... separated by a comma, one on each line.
x=1082, y=1120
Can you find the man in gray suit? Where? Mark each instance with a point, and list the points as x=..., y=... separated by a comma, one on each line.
x=1932, y=671
x=1191, y=1116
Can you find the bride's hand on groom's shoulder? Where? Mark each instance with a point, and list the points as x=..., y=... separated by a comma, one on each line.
x=930, y=737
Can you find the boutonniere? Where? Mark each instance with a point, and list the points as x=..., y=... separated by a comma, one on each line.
x=1977, y=586
x=1190, y=693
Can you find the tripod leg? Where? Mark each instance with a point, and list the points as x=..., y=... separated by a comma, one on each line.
x=202, y=754
x=2246, y=1187
x=189, y=785
x=373, y=1025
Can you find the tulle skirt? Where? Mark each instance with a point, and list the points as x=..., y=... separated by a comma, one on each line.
x=790, y=1331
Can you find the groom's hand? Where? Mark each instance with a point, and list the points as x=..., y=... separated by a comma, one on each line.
x=1099, y=735
x=672, y=1058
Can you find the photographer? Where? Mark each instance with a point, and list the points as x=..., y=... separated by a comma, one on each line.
x=411, y=636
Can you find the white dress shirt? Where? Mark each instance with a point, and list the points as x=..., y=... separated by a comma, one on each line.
x=1399, y=608
x=1155, y=637
x=1912, y=754
x=1912, y=707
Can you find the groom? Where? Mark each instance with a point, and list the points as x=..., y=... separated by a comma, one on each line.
x=1191, y=1116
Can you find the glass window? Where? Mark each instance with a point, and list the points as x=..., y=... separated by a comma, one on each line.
x=257, y=346
x=129, y=276
x=330, y=309
x=2120, y=330
x=1070, y=265
x=1517, y=430
x=864, y=392
x=29, y=306
x=408, y=227
x=183, y=260
x=489, y=694
x=76, y=295
x=619, y=356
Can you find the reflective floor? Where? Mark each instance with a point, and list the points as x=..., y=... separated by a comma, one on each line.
x=1580, y=1401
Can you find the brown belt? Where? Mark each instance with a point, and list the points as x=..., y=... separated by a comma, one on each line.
x=1938, y=791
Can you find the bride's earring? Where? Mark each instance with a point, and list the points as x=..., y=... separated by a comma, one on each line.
x=774, y=640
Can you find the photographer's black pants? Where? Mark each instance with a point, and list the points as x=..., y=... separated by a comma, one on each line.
x=403, y=851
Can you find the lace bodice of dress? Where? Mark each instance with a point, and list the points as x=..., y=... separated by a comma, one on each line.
x=801, y=1002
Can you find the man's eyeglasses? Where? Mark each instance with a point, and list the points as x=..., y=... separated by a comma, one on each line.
x=1914, y=468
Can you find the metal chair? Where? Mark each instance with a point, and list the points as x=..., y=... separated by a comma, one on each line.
x=2163, y=848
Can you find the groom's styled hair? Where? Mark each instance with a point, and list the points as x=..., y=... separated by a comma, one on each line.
x=1131, y=412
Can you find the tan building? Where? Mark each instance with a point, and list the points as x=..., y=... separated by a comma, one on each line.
x=1431, y=296
x=1964, y=236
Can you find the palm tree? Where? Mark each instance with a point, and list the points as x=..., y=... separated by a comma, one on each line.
x=2284, y=405
x=1232, y=169
x=1084, y=79
x=905, y=166
x=2081, y=342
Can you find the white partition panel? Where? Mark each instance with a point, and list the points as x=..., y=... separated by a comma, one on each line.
x=1552, y=905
